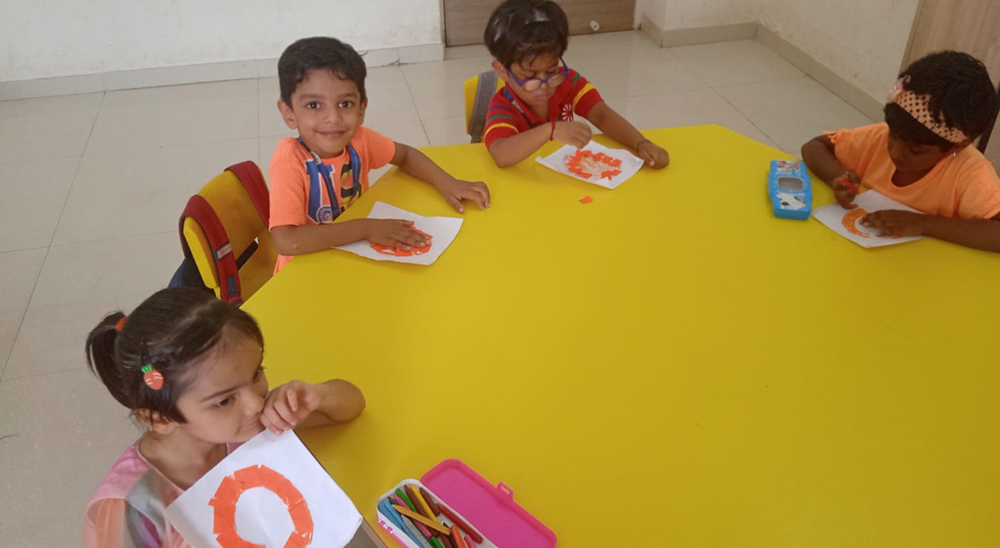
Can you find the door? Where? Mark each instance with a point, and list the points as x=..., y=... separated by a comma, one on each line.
x=465, y=20
x=972, y=26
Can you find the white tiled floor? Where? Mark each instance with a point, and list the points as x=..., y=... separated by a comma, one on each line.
x=92, y=185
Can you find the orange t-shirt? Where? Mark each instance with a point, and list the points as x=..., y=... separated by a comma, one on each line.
x=298, y=199
x=964, y=186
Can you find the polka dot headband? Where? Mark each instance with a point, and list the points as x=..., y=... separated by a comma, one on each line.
x=918, y=106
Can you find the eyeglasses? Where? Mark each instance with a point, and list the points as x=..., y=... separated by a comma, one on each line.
x=534, y=84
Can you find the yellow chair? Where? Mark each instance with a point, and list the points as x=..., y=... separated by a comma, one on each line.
x=479, y=90
x=238, y=199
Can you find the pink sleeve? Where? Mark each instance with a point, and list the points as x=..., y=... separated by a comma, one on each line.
x=105, y=525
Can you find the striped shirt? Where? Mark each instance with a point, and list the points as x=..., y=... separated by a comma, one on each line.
x=509, y=115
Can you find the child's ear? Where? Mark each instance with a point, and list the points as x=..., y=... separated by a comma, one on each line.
x=287, y=114
x=501, y=71
x=364, y=107
x=155, y=422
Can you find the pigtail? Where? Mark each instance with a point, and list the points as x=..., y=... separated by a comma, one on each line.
x=101, y=356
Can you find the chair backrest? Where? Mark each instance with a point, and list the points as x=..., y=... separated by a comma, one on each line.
x=479, y=91
x=246, y=230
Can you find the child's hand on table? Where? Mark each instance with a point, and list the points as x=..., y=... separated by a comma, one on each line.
x=456, y=190
x=654, y=155
x=895, y=223
x=394, y=233
x=842, y=190
x=577, y=134
x=288, y=405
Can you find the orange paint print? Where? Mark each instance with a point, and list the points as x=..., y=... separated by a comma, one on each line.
x=232, y=488
x=587, y=164
x=851, y=222
x=389, y=250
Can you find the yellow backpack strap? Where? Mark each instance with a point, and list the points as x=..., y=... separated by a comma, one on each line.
x=486, y=87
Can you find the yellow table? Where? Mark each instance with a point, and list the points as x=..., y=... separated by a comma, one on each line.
x=669, y=365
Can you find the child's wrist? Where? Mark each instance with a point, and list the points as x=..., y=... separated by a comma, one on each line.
x=640, y=143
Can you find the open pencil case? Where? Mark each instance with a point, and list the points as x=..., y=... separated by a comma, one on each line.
x=487, y=515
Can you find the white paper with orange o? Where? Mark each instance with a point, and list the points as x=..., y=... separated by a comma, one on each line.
x=443, y=231
x=594, y=163
x=846, y=222
x=269, y=493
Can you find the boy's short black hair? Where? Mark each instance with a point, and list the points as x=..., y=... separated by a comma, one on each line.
x=320, y=52
x=962, y=95
x=525, y=29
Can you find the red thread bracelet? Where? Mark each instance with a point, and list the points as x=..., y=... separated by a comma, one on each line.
x=552, y=136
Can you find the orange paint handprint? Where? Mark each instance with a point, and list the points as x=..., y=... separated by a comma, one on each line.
x=390, y=250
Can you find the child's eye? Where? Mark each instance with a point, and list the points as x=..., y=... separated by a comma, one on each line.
x=258, y=373
x=346, y=104
x=225, y=402
x=312, y=105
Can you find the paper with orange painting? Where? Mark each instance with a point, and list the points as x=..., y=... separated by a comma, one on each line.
x=594, y=163
x=846, y=222
x=269, y=492
x=442, y=230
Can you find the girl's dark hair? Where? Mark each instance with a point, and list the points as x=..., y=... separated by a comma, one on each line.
x=168, y=331
x=526, y=29
x=320, y=52
x=962, y=95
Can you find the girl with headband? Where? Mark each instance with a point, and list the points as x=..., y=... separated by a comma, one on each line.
x=921, y=155
x=190, y=369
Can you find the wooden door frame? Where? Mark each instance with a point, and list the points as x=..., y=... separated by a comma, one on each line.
x=984, y=141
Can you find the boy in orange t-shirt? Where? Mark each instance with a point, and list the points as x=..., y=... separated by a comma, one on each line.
x=316, y=177
x=920, y=156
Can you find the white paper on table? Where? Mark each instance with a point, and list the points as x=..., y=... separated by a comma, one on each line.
x=442, y=230
x=630, y=163
x=261, y=516
x=870, y=202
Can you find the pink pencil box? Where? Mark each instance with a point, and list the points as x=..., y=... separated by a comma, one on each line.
x=487, y=508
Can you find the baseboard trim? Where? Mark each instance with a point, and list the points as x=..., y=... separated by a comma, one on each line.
x=699, y=35
x=194, y=74
x=850, y=93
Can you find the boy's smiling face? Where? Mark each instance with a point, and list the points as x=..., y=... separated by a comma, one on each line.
x=326, y=110
x=542, y=67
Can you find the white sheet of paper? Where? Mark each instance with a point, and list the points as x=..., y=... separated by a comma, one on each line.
x=442, y=229
x=261, y=516
x=870, y=201
x=630, y=163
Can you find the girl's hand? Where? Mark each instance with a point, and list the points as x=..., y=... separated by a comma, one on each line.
x=577, y=134
x=455, y=191
x=288, y=405
x=394, y=233
x=843, y=192
x=894, y=223
x=654, y=155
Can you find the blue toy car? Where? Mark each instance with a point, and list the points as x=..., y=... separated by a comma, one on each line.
x=790, y=190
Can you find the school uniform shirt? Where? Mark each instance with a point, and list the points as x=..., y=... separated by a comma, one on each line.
x=129, y=508
x=962, y=186
x=298, y=193
x=508, y=115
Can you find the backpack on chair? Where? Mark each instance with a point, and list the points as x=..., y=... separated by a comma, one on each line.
x=479, y=91
x=215, y=259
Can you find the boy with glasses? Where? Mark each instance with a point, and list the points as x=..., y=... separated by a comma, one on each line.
x=527, y=39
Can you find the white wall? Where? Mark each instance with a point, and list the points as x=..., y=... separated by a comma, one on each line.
x=863, y=41
x=44, y=38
